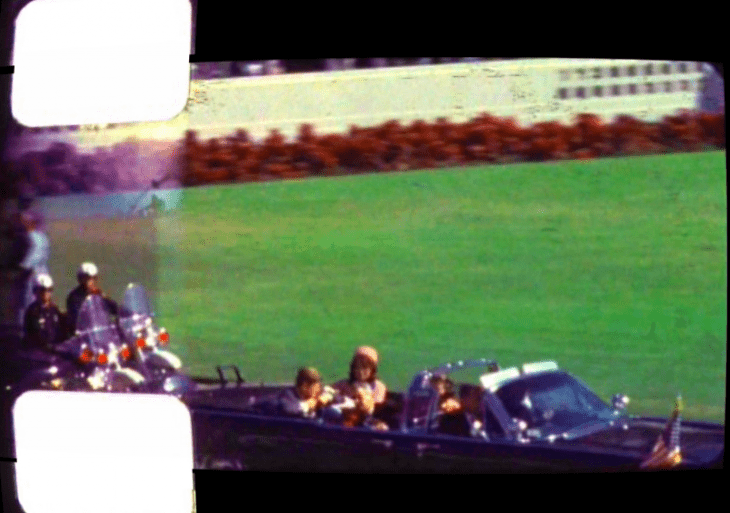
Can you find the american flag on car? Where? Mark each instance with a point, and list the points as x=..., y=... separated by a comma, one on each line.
x=666, y=452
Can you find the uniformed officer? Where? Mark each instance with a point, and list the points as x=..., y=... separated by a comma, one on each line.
x=88, y=276
x=44, y=324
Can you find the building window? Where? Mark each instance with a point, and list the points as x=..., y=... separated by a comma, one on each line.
x=683, y=67
x=632, y=89
x=597, y=72
x=632, y=71
x=667, y=87
x=598, y=91
x=616, y=90
x=650, y=88
x=649, y=70
x=564, y=74
x=666, y=68
x=580, y=92
x=563, y=93
x=614, y=71
x=685, y=85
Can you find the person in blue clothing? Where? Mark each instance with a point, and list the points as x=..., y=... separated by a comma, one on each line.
x=35, y=261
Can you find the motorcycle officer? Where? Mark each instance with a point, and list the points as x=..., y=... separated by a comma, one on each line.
x=88, y=277
x=44, y=324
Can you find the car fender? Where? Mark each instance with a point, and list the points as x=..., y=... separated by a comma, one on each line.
x=164, y=359
x=134, y=376
x=57, y=370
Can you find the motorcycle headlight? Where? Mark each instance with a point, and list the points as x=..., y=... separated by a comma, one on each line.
x=125, y=353
x=164, y=337
x=86, y=356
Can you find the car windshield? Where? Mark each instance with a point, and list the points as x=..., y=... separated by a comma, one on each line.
x=94, y=324
x=553, y=402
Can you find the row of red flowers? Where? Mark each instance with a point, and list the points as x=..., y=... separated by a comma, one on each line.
x=393, y=146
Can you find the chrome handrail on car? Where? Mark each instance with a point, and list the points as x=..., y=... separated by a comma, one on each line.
x=447, y=368
x=223, y=381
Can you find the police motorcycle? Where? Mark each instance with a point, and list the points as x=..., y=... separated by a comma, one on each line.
x=94, y=359
x=147, y=341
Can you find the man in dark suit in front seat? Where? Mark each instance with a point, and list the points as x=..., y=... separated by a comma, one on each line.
x=466, y=418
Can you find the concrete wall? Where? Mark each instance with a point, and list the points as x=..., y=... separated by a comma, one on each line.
x=530, y=90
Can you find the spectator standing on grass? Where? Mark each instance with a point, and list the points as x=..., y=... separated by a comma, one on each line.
x=36, y=259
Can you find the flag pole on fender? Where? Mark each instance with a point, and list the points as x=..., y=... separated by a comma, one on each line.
x=666, y=452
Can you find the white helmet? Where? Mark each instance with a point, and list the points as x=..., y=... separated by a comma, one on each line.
x=87, y=270
x=43, y=282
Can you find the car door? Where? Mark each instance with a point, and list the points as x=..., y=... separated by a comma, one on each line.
x=451, y=454
x=256, y=442
x=444, y=454
x=434, y=452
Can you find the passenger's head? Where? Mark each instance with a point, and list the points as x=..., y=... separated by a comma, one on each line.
x=88, y=276
x=442, y=384
x=30, y=220
x=470, y=397
x=308, y=383
x=364, y=364
x=43, y=288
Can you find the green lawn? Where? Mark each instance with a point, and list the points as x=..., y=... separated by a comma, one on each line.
x=615, y=268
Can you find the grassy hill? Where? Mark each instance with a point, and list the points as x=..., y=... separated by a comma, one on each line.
x=614, y=268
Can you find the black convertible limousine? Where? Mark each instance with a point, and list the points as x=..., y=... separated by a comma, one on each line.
x=537, y=418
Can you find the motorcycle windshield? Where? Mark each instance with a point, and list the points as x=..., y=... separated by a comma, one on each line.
x=94, y=324
x=136, y=300
x=135, y=311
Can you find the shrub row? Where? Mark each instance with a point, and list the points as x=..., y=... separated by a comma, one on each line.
x=393, y=146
